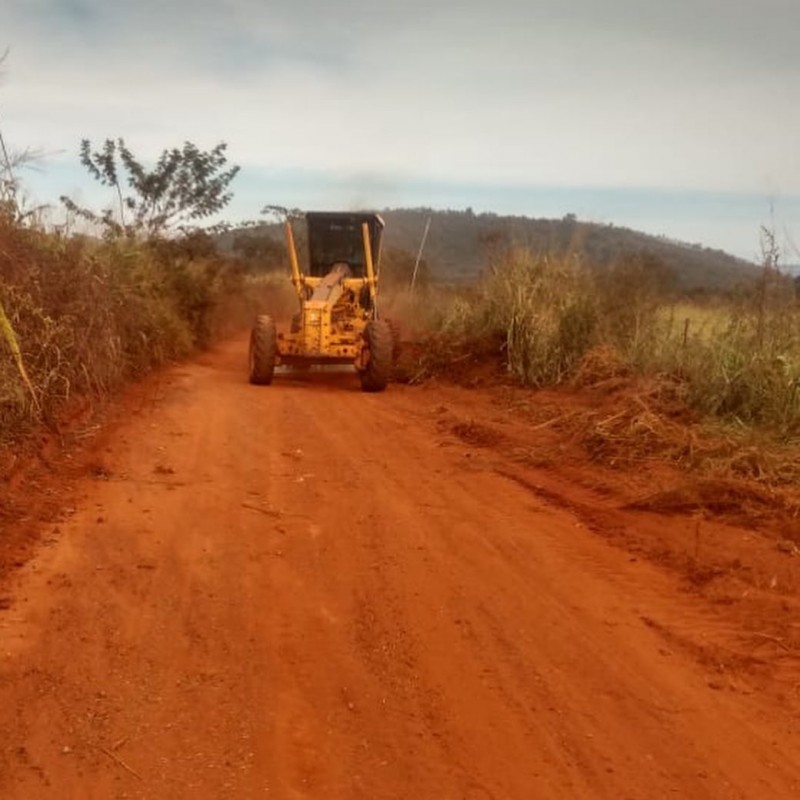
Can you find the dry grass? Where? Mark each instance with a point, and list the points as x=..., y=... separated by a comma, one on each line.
x=80, y=316
x=713, y=389
x=562, y=323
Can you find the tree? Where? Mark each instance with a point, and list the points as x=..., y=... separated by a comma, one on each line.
x=258, y=249
x=283, y=214
x=185, y=185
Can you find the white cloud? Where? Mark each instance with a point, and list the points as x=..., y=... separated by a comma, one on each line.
x=623, y=93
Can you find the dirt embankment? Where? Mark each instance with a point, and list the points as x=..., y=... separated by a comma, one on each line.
x=304, y=591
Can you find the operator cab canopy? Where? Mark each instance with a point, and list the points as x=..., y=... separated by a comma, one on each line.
x=336, y=237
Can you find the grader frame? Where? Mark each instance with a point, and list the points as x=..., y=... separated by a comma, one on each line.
x=337, y=322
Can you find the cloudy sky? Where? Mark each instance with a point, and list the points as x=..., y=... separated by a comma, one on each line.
x=679, y=118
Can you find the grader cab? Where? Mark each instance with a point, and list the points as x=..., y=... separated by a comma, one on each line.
x=337, y=321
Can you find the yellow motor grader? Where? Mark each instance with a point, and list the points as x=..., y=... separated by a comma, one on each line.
x=338, y=321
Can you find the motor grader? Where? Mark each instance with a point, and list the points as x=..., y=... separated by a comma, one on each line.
x=338, y=320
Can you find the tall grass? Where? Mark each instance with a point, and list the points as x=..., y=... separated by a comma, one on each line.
x=739, y=360
x=81, y=316
x=540, y=306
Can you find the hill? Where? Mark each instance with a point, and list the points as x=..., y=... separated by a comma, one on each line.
x=460, y=245
x=460, y=242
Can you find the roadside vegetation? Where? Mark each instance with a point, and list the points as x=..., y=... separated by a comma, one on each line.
x=554, y=319
x=117, y=292
x=81, y=313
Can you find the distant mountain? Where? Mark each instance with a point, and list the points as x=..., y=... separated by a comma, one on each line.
x=460, y=245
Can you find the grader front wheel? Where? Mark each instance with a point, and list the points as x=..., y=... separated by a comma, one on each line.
x=263, y=350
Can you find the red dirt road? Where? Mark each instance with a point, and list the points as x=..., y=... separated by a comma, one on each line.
x=302, y=591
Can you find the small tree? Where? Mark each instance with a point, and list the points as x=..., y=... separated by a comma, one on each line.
x=281, y=214
x=185, y=185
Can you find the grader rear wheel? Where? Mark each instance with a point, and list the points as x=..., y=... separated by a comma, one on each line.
x=378, y=339
x=394, y=327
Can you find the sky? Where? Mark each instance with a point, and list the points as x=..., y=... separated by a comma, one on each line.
x=680, y=119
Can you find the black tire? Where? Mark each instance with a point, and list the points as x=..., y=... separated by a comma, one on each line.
x=394, y=327
x=263, y=350
x=378, y=338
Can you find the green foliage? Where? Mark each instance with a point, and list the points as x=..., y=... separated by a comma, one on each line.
x=185, y=185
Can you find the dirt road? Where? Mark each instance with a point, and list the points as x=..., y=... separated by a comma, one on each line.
x=302, y=591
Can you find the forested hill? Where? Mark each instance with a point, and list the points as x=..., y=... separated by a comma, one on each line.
x=460, y=246
x=459, y=243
